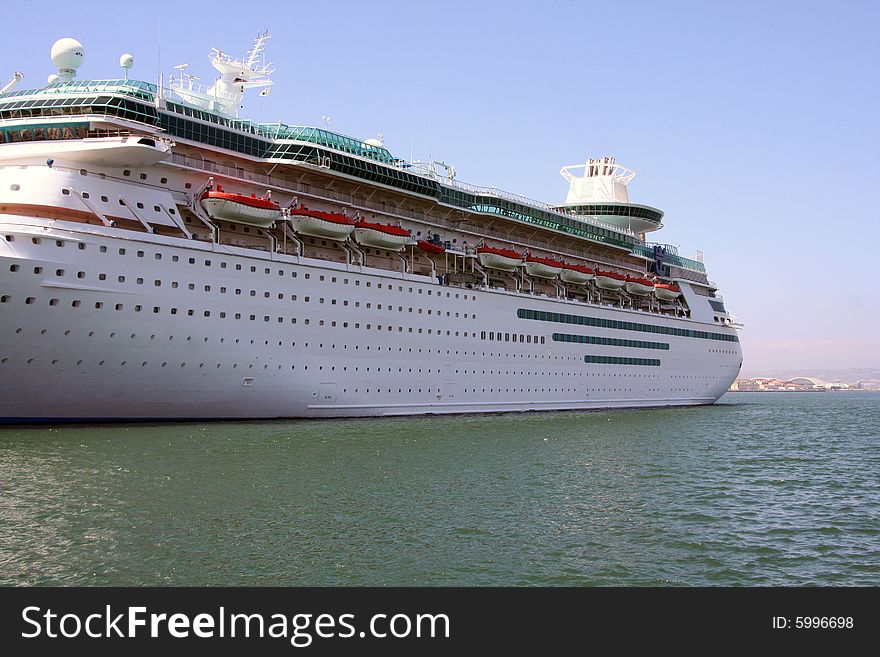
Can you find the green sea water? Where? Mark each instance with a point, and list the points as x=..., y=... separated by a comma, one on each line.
x=760, y=489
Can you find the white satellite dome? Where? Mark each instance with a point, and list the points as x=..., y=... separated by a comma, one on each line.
x=53, y=78
x=373, y=143
x=68, y=55
x=126, y=60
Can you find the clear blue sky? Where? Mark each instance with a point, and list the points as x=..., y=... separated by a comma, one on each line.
x=752, y=124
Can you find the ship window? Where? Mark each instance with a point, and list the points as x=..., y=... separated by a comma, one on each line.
x=15, y=187
x=85, y=195
x=126, y=172
x=65, y=191
x=105, y=199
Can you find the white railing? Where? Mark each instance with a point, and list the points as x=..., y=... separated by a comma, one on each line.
x=541, y=205
x=292, y=187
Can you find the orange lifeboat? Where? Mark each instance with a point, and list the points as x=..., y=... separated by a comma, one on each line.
x=667, y=292
x=609, y=280
x=576, y=274
x=326, y=225
x=240, y=208
x=640, y=287
x=503, y=259
x=430, y=247
x=381, y=236
x=543, y=267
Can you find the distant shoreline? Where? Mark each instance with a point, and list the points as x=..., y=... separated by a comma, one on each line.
x=810, y=390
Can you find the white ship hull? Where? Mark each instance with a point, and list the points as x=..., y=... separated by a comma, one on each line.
x=139, y=326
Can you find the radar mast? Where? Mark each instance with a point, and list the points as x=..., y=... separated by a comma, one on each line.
x=237, y=75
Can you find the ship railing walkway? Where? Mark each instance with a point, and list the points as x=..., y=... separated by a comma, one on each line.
x=186, y=162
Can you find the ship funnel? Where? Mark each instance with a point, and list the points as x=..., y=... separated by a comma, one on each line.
x=603, y=179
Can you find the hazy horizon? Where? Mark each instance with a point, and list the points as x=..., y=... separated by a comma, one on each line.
x=752, y=124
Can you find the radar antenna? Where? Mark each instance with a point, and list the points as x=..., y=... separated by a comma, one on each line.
x=237, y=75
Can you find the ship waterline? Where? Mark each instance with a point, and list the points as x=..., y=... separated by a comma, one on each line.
x=123, y=297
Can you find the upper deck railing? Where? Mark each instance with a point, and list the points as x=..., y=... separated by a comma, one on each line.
x=33, y=102
x=136, y=88
x=525, y=200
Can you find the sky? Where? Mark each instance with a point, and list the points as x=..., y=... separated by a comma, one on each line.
x=752, y=124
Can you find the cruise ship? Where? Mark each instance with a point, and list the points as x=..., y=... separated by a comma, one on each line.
x=165, y=258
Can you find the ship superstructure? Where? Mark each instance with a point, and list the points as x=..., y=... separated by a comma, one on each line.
x=164, y=258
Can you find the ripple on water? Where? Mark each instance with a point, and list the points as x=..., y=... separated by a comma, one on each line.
x=760, y=489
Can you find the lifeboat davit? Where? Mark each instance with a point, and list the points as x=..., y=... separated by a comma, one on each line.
x=430, y=247
x=609, y=280
x=381, y=236
x=667, y=292
x=327, y=225
x=503, y=259
x=543, y=267
x=640, y=287
x=239, y=208
x=577, y=274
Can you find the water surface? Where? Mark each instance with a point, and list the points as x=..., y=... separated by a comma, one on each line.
x=760, y=489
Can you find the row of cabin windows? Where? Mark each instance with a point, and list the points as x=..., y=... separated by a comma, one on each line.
x=619, y=360
x=238, y=291
x=610, y=342
x=602, y=322
x=511, y=337
x=268, y=271
x=76, y=303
